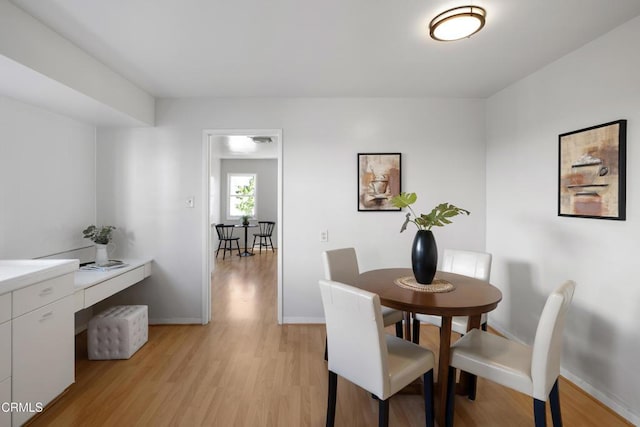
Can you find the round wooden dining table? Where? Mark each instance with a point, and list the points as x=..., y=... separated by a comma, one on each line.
x=469, y=297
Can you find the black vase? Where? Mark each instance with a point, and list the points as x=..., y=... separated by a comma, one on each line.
x=424, y=256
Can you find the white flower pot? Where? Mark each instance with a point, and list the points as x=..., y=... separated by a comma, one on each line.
x=101, y=254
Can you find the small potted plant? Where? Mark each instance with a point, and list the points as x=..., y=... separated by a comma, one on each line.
x=424, y=252
x=101, y=236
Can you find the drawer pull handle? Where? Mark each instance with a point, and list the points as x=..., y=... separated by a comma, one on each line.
x=46, y=316
x=46, y=291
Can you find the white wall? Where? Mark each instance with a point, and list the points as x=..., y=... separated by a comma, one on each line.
x=47, y=181
x=144, y=176
x=266, y=171
x=535, y=250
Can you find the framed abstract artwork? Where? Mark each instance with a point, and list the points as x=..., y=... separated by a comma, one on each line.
x=592, y=172
x=378, y=180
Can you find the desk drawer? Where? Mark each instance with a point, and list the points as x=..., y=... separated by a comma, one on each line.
x=5, y=307
x=41, y=293
x=109, y=287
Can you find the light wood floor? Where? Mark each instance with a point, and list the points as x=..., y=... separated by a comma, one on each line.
x=245, y=370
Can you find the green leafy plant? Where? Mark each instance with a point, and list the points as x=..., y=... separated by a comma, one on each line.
x=438, y=217
x=247, y=203
x=100, y=234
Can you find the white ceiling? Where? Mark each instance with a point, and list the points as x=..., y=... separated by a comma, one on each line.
x=187, y=48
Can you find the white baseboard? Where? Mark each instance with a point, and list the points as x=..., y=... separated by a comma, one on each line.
x=603, y=398
x=177, y=321
x=606, y=400
x=302, y=320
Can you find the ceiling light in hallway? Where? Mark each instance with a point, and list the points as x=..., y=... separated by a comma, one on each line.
x=457, y=23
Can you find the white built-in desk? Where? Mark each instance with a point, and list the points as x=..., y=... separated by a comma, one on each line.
x=91, y=287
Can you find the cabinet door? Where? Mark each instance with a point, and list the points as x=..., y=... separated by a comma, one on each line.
x=5, y=307
x=5, y=396
x=5, y=350
x=43, y=355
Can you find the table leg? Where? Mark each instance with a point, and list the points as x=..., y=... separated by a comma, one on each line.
x=407, y=325
x=443, y=368
x=245, y=252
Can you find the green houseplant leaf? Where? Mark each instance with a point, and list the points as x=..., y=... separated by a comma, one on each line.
x=246, y=204
x=438, y=217
x=100, y=234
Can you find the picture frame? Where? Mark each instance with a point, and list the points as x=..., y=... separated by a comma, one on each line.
x=592, y=172
x=379, y=179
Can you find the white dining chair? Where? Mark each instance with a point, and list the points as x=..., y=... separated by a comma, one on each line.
x=341, y=265
x=532, y=370
x=467, y=263
x=362, y=353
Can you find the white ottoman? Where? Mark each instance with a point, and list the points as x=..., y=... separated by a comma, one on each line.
x=118, y=332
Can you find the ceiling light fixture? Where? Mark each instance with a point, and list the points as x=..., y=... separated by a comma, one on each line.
x=262, y=139
x=457, y=23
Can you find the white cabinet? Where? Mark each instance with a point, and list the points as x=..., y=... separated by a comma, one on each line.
x=5, y=397
x=5, y=350
x=41, y=293
x=36, y=335
x=43, y=355
x=5, y=359
x=42, y=344
x=5, y=307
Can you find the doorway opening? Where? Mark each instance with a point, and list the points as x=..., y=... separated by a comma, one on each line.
x=221, y=149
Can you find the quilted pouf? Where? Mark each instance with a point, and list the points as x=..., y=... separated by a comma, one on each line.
x=118, y=332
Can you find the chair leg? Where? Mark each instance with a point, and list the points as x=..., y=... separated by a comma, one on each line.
x=554, y=403
x=224, y=249
x=218, y=250
x=451, y=396
x=473, y=384
x=427, y=383
x=539, y=413
x=253, y=245
x=383, y=413
x=326, y=350
x=416, y=331
x=399, y=329
x=237, y=246
x=271, y=243
x=331, y=399
x=484, y=326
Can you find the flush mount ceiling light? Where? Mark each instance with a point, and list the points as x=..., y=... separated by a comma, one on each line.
x=241, y=144
x=457, y=23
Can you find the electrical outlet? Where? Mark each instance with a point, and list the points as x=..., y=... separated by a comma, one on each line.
x=324, y=236
x=191, y=201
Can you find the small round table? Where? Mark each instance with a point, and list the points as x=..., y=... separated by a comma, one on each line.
x=246, y=227
x=470, y=297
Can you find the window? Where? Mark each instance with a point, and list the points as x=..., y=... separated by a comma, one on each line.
x=242, y=195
